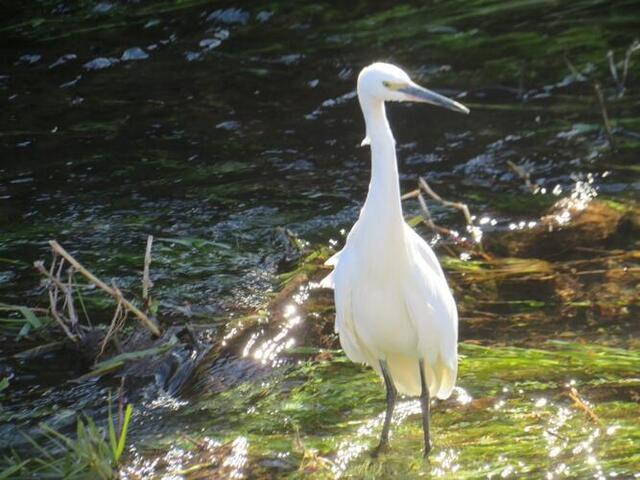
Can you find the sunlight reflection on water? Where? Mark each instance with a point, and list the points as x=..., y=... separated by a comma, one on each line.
x=350, y=449
x=178, y=463
x=268, y=351
x=237, y=459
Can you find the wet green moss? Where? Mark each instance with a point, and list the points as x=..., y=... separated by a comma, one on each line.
x=519, y=396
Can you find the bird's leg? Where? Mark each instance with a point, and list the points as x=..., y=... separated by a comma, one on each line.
x=392, y=394
x=425, y=404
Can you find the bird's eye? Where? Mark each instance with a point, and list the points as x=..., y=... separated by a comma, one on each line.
x=386, y=84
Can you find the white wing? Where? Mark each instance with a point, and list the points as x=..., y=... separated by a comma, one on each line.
x=423, y=249
x=433, y=313
x=344, y=326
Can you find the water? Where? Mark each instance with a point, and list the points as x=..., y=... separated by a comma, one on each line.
x=214, y=127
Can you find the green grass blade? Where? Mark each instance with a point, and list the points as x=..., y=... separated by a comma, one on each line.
x=8, y=472
x=112, y=433
x=123, y=432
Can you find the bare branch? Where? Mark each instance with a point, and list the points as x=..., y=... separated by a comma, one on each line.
x=458, y=205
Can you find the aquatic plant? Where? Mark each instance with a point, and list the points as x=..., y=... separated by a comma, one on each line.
x=92, y=453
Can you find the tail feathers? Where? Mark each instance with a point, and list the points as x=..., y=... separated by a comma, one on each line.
x=405, y=372
x=448, y=381
x=328, y=282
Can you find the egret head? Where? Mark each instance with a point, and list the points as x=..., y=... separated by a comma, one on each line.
x=388, y=83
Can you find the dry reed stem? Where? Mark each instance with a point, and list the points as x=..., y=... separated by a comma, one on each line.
x=600, y=97
x=53, y=297
x=634, y=47
x=605, y=115
x=621, y=82
x=580, y=403
x=68, y=293
x=113, y=291
x=119, y=317
x=524, y=175
x=146, y=278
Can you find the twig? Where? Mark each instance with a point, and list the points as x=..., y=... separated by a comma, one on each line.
x=71, y=309
x=599, y=96
x=609, y=270
x=580, y=403
x=634, y=47
x=39, y=265
x=429, y=221
x=557, y=435
x=146, y=279
x=118, y=320
x=423, y=186
x=622, y=82
x=114, y=292
x=460, y=206
x=195, y=468
x=614, y=72
x=574, y=71
x=58, y=318
x=53, y=298
x=524, y=175
x=197, y=443
x=605, y=115
x=411, y=194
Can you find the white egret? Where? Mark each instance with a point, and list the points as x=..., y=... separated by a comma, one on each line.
x=394, y=309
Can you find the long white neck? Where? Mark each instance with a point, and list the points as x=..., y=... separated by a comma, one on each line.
x=383, y=200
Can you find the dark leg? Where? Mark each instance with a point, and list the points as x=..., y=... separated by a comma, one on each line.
x=425, y=403
x=392, y=393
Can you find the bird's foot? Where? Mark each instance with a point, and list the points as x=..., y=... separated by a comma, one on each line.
x=383, y=447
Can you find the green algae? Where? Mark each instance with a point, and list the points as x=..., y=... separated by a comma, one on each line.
x=299, y=419
x=517, y=396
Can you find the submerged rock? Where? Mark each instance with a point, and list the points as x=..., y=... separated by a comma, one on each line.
x=100, y=63
x=134, y=53
x=29, y=59
x=103, y=7
x=63, y=59
x=193, y=56
x=209, y=43
x=229, y=16
x=264, y=16
x=71, y=83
